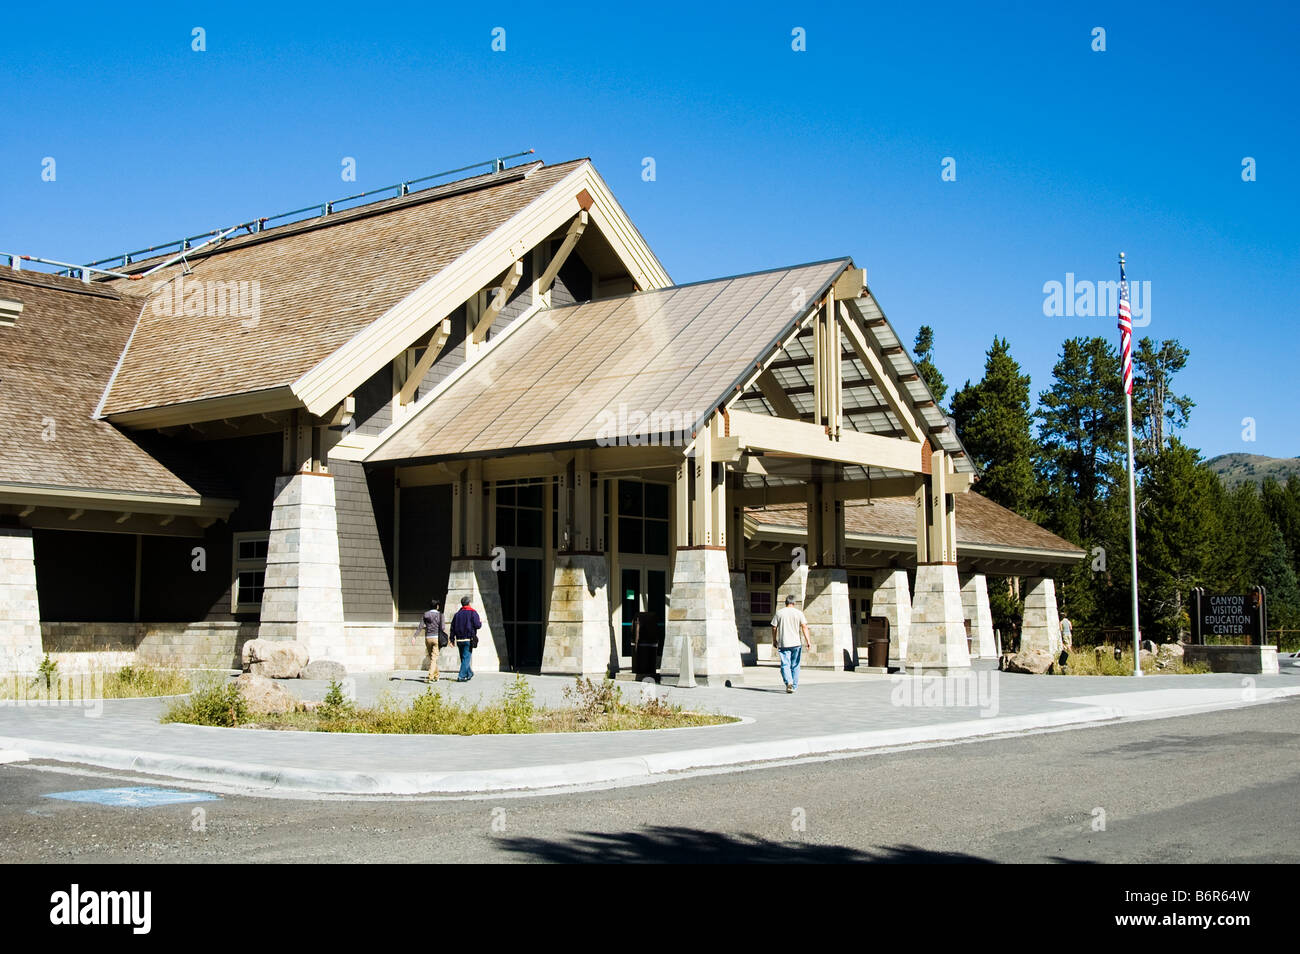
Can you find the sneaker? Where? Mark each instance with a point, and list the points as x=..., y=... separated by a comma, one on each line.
x=789, y=688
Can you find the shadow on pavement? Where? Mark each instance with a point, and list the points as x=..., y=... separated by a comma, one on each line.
x=665, y=845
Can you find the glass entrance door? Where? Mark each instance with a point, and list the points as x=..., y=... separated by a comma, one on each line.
x=642, y=590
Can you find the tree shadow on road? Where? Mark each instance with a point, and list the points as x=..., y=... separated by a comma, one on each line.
x=667, y=845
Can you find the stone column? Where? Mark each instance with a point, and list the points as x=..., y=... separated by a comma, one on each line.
x=830, y=623
x=579, y=639
x=892, y=600
x=475, y=578
x=975, y=605
x=701, y=610
x=20, y=613
x=938, y=634
x=1041, y=627
x=303, y=596
x=744, y=623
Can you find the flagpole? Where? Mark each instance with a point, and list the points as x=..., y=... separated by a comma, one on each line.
x=1132, y=515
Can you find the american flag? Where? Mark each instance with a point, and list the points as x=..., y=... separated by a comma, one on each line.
x=1125, y=329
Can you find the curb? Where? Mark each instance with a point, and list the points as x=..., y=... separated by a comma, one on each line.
x=272, y=779
x=265, y=778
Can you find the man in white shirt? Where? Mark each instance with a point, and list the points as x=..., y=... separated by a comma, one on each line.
x=789, y=636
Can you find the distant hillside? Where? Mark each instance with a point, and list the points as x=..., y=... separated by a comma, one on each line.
x=1234, y=469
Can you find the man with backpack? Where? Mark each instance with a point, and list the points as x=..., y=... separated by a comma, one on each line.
x=464, y=629
x=434, y=635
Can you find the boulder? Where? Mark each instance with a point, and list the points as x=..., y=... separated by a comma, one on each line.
x=277, y=659
x=1170, y=651
x=263, y=695
x=326, y=669
x=1033, y=661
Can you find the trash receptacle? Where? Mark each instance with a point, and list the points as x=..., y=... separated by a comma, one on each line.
x=878, y=642
x=645, y=645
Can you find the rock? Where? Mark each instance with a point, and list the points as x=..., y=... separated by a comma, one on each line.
x=1147, y=658
x=1148, y=646
x=325, y=669
x=1033, y=661
x=1170, y=651
x=265, y=696
x=277, y=659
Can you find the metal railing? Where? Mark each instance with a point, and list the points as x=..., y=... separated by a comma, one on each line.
x=183, y=245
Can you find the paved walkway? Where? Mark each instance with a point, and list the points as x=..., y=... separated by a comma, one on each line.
x=831, y=712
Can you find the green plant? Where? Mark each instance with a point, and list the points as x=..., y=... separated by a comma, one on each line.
x=519, y=705
x=336, y=705
x=47, y=672
x=220, y=705
x=592, y=700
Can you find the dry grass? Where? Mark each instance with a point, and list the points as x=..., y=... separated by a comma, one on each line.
x=1086, y=661
x=128, y=682
x=593, y=707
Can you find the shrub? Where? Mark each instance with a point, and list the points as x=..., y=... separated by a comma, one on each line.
x=336, y=705
x=519, y=706
x=47, y=672
x=592, y=700
x=220, y=705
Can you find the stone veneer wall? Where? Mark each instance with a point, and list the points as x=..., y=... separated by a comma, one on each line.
x=892, y=600
x=701, y=610
x=80, y=647
x=20, y=615
x=975, y=604
x=938, y=636
x=830, y=624
x=202, y=645
x=579, y=638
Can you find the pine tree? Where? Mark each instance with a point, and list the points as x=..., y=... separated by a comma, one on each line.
x=1083, y=451
x=993, y=421
x=1180, y=529
x=1080, y=465
x=925, y=365
x=1157, y=410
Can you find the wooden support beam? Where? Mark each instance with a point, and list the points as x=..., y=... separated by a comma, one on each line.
x=576, y=228
x=838, y=490
x=884, y=383
x=475, y=508
x=701, y=496
x=682, y=514
x=776, y=395
x=415, y=374
x=795, y=438
x=508, y=285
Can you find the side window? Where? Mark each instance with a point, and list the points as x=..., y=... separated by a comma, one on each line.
x=248, y=572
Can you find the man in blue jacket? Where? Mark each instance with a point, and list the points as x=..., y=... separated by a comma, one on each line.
x=464, y=629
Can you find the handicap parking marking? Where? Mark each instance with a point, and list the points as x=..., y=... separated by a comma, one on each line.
x=134, y=797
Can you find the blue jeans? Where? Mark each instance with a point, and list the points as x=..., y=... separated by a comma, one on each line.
x=466, y=650
x=790, y=664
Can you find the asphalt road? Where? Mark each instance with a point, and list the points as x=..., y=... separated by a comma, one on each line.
x=1217, y=787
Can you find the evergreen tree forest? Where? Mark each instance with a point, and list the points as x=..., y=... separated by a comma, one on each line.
x=1060, y=457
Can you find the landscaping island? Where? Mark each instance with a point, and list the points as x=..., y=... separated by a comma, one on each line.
x=252, y=702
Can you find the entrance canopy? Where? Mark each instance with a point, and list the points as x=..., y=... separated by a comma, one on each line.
x=639, y=369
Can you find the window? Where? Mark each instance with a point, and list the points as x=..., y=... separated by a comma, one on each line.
x=642, y=517
x=760, y=593
x=248, y=572
x=519, y=513
x=859, y=582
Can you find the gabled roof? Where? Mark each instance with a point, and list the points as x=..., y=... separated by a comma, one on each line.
x=319, y=284
x=980, y=523
x=593, y=372
x=53, y=364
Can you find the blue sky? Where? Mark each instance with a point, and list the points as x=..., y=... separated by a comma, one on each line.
x=764, y=156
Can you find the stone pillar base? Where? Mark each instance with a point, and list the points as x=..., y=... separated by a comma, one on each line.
x=701, y=610
x=830, y=623
x=20, y=611
x=303, y=596
x=975, y=606
x=1041, y=627
x=744, y=622
x=476, y=579
x=937, y=640
x=892, y=600
x=579, y=639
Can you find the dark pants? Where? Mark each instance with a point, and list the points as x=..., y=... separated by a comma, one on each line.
x=466, y=650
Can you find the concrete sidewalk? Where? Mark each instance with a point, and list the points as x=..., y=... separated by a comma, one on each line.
x=831, y=712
